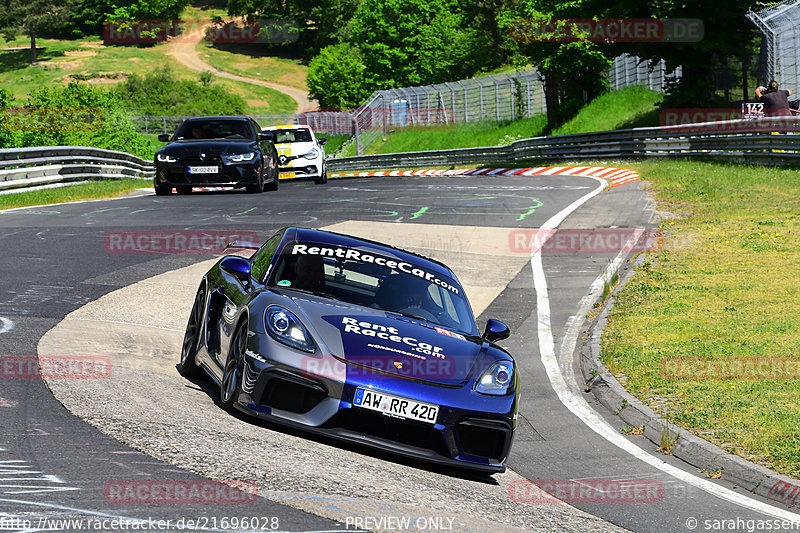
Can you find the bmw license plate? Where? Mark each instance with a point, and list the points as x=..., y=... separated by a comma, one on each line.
x=203, y=170
x=395, y=405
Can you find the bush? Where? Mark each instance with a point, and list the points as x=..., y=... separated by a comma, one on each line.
x=161, y=93
x=75, y=115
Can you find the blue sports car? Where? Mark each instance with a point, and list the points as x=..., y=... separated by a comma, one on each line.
x=358, y=341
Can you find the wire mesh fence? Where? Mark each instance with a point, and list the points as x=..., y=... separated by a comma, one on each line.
x=780, y=28
x=627, y=70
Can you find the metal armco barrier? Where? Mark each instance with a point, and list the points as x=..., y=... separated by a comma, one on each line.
x=26, y=167
x=774, y=141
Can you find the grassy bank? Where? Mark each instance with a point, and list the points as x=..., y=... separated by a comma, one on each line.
x=626, y=108
x=722, y=290
x=85, y=191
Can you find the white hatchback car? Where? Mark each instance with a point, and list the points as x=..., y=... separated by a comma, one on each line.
x=300, y=153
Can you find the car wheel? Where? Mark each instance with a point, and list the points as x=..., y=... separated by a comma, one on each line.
x=191, y=339
x=273, y=185
x=323, y=176
x=184, y=190
x=232, y=373
x=258, y=186
x=162, y=190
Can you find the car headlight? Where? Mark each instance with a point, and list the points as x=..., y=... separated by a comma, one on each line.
x=284, y=327
x=166, y=158
x=238, y=158
x=497, y=379
x=312, y=154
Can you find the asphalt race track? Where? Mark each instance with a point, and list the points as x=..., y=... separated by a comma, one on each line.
x=54, y=465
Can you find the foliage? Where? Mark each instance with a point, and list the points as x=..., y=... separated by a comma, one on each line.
x=574, y=72
x=74, y=115
x=407, y=42
x=161, y=93
x=726, y=34
x=336, y=78
x=31, y=16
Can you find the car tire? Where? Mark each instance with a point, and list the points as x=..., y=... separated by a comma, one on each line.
x=191, y=339
x=273, y=185
x=184, y=190
x=323, y=176
x=231, y=384
x=162, y=190
x=257, y=187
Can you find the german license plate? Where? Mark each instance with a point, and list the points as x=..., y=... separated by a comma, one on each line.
x=395, y=405
x=286, y=175
x=203, y=170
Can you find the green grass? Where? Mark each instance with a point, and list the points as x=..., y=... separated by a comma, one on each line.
x=334, y=142
x=84, y=191
x=627, y=108
x=722, y=289
x=255, y=61
x=62, y=59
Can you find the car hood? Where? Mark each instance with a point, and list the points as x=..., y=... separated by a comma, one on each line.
x=391, y=343
x=297, y=148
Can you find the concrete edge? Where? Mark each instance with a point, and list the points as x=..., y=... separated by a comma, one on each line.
x=688, y=447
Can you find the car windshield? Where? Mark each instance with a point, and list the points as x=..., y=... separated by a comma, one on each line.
x=300, y=135
x=366, y=277
x=214, y=129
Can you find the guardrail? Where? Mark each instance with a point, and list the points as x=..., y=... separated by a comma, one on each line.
x=771, y=140
x=26, y=167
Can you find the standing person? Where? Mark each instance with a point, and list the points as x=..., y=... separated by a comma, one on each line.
x=776, y=102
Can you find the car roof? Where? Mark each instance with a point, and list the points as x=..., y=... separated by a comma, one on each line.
x=224, y=117
x=288, y=127
x=339, y=239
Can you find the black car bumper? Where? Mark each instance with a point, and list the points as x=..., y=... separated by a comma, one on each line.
x=228, y=175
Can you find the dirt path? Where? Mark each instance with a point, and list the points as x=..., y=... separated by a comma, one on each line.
x=184, y=51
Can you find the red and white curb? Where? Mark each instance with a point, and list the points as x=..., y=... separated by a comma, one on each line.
x=614, y=176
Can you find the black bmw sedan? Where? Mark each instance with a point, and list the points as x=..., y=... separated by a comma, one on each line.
x=216, y=152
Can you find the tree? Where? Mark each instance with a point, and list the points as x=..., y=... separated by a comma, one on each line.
x=412, y=42
x=336, y=77
x=574, y=72
x=29, y=15
x=725, y=34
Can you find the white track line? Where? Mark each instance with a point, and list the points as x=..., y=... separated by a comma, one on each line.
x=6, y=324
x=578, y=406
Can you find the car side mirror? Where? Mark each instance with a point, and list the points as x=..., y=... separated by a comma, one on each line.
x=495, y=331
x=322, y=140
x=164, y=137
x=266, y=136
x=237, y=267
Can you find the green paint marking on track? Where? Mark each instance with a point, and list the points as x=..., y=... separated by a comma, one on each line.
x=531, y=209
x=245, y=212
x=419, y=213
